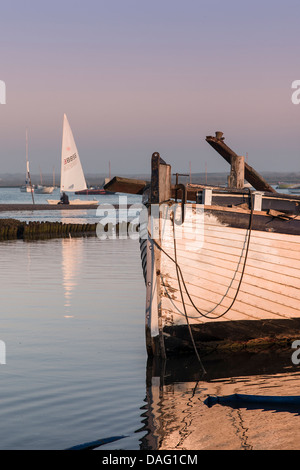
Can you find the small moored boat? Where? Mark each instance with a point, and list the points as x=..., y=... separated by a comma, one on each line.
x=72, y=177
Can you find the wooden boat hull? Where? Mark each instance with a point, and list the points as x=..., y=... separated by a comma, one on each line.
x=224, y=293
x=232, y=277
x=26, y=189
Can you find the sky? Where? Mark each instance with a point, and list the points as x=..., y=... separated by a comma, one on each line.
x=136, y=77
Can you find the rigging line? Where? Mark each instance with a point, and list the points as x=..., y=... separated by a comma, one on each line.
x=242, y=273
x=205, y=315
x=183, y=303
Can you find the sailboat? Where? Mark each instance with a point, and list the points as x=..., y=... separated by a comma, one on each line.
x=28, y=187
x=42, y=189
x=72, y=177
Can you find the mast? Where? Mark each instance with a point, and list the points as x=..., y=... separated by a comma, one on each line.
x=27, y=167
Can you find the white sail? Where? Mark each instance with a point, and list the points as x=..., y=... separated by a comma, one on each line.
x=72, y=177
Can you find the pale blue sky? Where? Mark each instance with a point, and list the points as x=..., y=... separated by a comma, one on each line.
x=136, y=77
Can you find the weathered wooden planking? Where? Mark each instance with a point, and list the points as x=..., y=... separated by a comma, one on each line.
x=207, y=296
x=267, y=257
x=269, y=293
x=233, y=251
x=211, y=249
x=261, y=221
x=268, y=300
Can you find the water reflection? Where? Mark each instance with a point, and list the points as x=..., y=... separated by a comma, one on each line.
x=72, y=255
x=75, y=217
x=76, y=381
x=177, y=415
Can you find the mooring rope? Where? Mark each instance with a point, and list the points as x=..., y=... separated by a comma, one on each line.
x=183, y=303
x=180, y=275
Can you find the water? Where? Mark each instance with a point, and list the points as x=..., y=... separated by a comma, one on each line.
x=74, y=336
x=72, y=320
x=93, y=215
x=183, y=421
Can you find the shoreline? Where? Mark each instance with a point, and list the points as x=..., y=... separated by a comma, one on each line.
x=44, y=207
x=52, y=207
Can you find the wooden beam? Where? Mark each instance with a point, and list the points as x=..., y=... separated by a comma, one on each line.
x=254, y=178
x=126, y=185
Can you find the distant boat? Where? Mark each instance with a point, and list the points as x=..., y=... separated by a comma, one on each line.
x=288, y=185
x=72, y=177
x=27, y=187
x=91, y=191
x=98, y=190
x=44, y=189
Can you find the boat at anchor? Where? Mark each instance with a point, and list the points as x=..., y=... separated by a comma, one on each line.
x=221, y=265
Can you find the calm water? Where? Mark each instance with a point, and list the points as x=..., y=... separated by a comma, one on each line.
x=15, y=196
x=72, y=320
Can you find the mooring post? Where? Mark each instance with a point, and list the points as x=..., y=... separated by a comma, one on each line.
x=236, y=179
x=160, y=179
x=160, y=192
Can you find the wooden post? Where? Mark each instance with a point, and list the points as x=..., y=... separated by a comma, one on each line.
x=160, y=188
x=254, y=178
x=160, y=180
x=237, y=174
